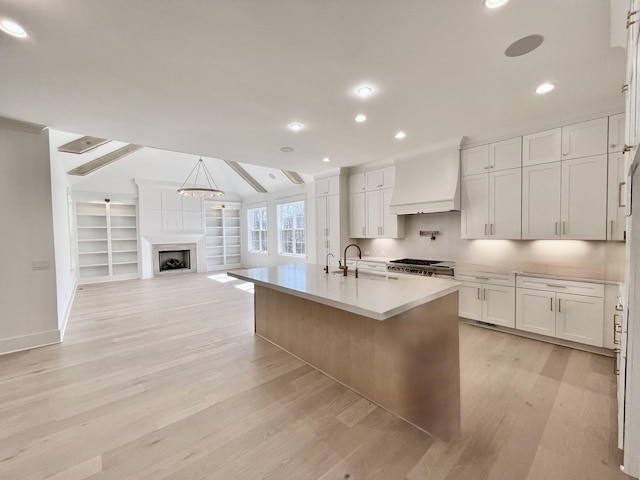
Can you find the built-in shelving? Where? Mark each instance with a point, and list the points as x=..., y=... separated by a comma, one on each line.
x=223, y=235
x=107, y=235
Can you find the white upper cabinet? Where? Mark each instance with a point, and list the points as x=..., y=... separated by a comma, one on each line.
x=585, y=139
x=505, y=155
x=616, y=133
x=617, y=198
x=392, y=225
x=474, y=160
x=379, y=179
x=584, y=198
x=505, y=211
x=356, y=183
x=328, y=186
x=541, y=201
x=475, y=206
x=357, y=216
x=542, y=147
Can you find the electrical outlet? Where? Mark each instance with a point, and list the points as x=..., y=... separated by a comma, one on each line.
x=40, y=265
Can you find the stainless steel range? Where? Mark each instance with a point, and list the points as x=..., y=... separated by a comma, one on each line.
x=415, y=266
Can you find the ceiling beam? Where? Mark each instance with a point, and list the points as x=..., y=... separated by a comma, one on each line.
x=246, y=176
x=82, y=145
x=104, y=160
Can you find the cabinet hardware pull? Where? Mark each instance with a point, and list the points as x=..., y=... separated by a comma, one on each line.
x=482, y=278
x=555, y=231
x=564, y=229
x=556, y=286
x=620, y=184
x=478, y=293
x=630, y=22
x=485, y=228
x=616, y=367
x=551, y=304
x=484, y=293
x=631, y=14
x=565, y=153
x=559, y=305
x=624, y=88
x=627, y=148
x=491, y=229
x=611, y=229
x=487, y=168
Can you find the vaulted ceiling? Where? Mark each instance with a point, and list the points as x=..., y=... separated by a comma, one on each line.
x=224, y=79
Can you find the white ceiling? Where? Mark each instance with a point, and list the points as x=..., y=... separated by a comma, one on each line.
x=224, y=78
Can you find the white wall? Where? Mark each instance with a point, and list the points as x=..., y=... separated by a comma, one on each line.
x=63, y=228
x=571, y=257
x=271, y=201
x=29, y=314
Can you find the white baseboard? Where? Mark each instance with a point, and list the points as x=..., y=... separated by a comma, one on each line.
x=27, y=342
x=67, y=312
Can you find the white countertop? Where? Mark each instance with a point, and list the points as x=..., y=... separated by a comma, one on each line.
x=372, y=295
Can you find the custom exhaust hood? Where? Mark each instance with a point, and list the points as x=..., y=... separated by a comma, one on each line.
x=428, y=182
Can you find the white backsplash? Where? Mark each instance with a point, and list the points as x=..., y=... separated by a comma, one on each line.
x=587, y=259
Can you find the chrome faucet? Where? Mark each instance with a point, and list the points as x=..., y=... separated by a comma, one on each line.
x=344, y=267
x=326, y=267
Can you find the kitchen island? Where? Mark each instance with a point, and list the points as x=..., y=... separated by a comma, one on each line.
x=391, y=338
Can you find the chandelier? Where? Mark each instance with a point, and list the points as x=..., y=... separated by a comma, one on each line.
x=211, y=191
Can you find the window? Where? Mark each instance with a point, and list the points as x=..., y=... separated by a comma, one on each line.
x=291, y=229
x=257, y=220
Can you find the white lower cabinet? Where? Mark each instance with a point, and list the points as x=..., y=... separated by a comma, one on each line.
x=487, y=297
x=559, y=308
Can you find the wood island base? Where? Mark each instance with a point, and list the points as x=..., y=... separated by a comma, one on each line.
x=408, y=364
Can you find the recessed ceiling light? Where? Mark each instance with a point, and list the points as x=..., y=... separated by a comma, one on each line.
x=12, y=28
x=287, y=149
x=296, y=127
x=494, y=3
x=545, y=88
x=400, y=135
x=364, y=91
x=361, y=118
x=326, y=159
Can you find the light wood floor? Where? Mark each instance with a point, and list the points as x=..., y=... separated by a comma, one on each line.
x=164, y=379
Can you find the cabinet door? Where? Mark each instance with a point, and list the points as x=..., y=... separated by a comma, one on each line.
x=356, y=183
x=322, y=249
x=617, y=198
x=470, y=301
x=475, y=206
x=172, y=222
x=373, y=208
x=392, y=225
x=580, y=318
x=542, y=147
x=322, y=218
x=328, y=186
x=505, y=155
x=616, y=133
x=505, y=213
x=333, y=214
x=192, y=222
x=541, y=201
x=499, y=305
x=585, y=139
x=474, y=160
x=388, y=177
x=584, y=198
x=535, y=311
x=373, y=180
x=357, y=218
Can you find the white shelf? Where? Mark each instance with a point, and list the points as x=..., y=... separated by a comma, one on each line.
x=112, y=258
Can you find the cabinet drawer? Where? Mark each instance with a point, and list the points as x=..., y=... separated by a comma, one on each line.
x=561, y=286
x=506, y=279
x=375, y=266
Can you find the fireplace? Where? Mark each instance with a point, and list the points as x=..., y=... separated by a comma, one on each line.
x=174, y=258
